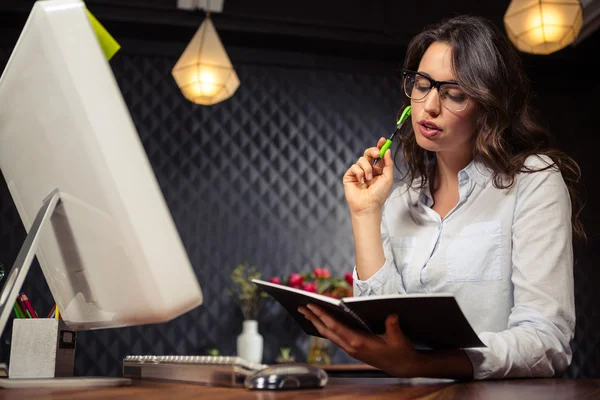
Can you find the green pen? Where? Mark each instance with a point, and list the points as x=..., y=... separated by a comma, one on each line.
x=388, y=143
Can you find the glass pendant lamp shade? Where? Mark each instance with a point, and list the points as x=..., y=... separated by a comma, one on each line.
x=204, y=72
x=543, y=26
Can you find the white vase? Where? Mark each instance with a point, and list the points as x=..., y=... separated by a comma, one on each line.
x=250, y=342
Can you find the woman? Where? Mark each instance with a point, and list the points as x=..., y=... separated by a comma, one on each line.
x=483, y=209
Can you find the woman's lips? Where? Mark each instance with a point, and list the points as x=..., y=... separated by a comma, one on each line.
x=428, y=131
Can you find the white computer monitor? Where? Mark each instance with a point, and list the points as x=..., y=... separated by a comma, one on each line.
x=110, y=252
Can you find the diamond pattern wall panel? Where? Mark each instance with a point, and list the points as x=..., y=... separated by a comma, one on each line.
x=586, y=345
x=256, y=178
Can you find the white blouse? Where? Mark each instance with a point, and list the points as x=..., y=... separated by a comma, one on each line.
x=505, y=254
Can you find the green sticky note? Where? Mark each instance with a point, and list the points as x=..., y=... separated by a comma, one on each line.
x=108, y=44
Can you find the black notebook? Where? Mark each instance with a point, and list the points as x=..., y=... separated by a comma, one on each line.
x=430, y=321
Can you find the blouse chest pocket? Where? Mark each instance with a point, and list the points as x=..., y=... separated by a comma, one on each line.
x=403, y=248
x=475, y=255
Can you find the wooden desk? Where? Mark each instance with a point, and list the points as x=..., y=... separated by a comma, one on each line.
x=353, y=371
x=339, y=389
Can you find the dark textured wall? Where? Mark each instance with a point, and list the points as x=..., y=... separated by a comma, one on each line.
x=258, y=178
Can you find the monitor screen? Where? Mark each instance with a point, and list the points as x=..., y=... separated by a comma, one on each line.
x=110, y=252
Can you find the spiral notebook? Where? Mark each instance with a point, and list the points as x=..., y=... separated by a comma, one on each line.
x=430, y=321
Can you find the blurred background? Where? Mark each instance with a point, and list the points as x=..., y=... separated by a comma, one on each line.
x=257, y=177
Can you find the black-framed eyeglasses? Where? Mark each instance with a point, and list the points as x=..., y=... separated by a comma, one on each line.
x=417, y=86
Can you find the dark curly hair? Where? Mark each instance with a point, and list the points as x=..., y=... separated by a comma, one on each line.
x=490, y=71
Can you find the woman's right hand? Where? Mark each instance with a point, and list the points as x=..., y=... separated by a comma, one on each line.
x=367, y=187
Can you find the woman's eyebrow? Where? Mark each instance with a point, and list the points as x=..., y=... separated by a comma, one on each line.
x=429, y=76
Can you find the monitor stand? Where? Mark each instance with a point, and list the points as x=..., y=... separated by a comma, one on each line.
x=10, y=291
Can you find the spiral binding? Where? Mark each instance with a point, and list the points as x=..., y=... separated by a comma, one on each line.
x=356, y=317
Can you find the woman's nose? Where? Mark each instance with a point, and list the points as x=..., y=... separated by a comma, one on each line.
x=433, y=102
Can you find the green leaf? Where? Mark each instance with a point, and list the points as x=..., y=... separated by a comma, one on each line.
x=248, y=296
x=322, y=285
x=213, y=352
x=285, y=352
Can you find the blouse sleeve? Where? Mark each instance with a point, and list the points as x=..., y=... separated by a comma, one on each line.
x=387, y=279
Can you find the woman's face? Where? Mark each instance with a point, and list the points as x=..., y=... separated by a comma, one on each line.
x=437, y=128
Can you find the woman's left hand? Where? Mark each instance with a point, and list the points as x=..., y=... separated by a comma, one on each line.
x=391, y=352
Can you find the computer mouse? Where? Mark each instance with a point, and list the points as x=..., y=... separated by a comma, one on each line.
x=287, y=376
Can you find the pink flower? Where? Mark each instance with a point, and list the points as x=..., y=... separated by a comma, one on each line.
x=295, y=280
x=275, y=279
x=321, y=272
x=348, y=278
x=310, y=287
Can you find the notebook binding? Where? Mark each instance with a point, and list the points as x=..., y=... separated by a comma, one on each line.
x=356, y=317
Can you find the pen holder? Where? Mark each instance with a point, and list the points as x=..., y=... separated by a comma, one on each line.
x=41, y=348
